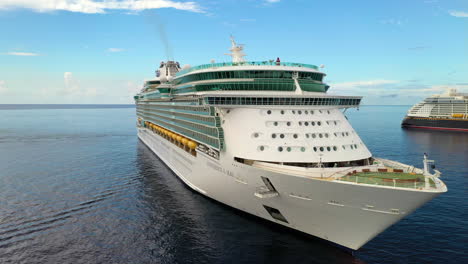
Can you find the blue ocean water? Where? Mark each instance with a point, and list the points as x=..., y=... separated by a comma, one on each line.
x=77, y=186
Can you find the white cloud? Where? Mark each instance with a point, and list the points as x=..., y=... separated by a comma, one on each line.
x=14, y=53
x=456, y=13
x=97, y=6
x=3, y=87
x=367, y=84
x=71, y=85
x=115, y=50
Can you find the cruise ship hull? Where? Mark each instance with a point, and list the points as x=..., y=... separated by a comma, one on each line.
x=304, y=204
x=436, y=123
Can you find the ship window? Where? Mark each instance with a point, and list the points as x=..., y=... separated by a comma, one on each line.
x=261, y=148
x=269, y=112
x=320, y=135
x=307, y=135
x=344, y=147
x=319, y=123
x=255, y=135
x=302, y=149
x=288, y=123
x=313, y=135
x=300, y=123
x=281, y=135
x=306, y=123
x=311, y=112
x=315, y=149
x=336, y=123
x=273, y=135
x=275, y=123
x=335, y=148
x=288, y=149
x=299, y=112
x=321, y=148
x=280, y=149
x=294, y=112
x=320, y=111
x=295, y=135
x=326, y=135
x=282, y=112
x=306, y=112
x=328, y=111
x=328, y=148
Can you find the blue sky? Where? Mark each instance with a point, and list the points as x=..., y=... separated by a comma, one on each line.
x=94, y=51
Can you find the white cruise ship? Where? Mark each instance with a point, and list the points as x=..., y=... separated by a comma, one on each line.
x=265, y=138
x=447, y=111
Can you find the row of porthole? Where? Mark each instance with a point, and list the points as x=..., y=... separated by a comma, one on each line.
x=307, y=135
x=343, y=134
x=299, y=112
x=316, y=149
x=307, y=123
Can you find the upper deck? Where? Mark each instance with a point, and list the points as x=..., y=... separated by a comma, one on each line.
x=267, y=65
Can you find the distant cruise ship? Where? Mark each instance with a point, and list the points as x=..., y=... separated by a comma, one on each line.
x=447, y=111
x=265, y=138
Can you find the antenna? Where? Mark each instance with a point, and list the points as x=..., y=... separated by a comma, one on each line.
x=237, y=53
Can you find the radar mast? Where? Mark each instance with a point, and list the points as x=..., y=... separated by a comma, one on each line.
x=237, y=53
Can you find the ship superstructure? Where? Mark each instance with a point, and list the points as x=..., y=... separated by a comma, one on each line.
x=265, y=137
x=448, y=111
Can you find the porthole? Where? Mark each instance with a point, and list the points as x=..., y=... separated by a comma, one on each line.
x=312, y=123
x=282, y=112
x=255, y=135
x=299, y=112
x=306, y=112
x=321, y=149
x=326, y=135
x=335, y=148
x=334, y=134
x=273, y=135
x=311, y=112
x=328, y=148
x=307, y=135
x=328, y=111
x=275, y=123
x=288, y=149
x=328, y=123
x=288, y=123
x=281, y=135
x=347, y=134
x=300, y=123
x=343, y=134
x=344, y=147
x=320, y=111
x=302, y=149
x=320, y=135
x=261, y=148
x=351, y=146
x=269, y=112
x=295, y=135
x=294, y=112
x=319, y=123
x=306, y=123
x=228, y=111
x=315, y=149
x=280, y=149
x=355, y=146
x=336, y=123
x=313, y=135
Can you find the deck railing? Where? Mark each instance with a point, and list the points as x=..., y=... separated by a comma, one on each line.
x=247, y=63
